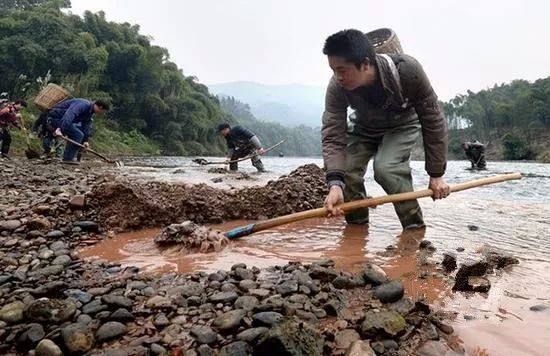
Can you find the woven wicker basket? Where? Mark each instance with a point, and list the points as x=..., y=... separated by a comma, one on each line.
x=385, y=41
x=51, y=95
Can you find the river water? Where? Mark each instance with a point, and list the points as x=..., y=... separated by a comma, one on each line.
x=512, y=217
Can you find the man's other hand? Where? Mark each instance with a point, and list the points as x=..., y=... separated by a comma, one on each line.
x=439, y=187
x=335, y=196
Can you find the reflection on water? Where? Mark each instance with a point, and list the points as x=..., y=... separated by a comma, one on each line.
x=512, y=217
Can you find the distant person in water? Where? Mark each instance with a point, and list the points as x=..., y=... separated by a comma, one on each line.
x=475, y=152
x=241, y=142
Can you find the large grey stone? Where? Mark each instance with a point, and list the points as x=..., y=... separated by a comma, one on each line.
x=12, y=313
x=291, y=338
x=229, y=320
x=110, y=330
x=78, y=337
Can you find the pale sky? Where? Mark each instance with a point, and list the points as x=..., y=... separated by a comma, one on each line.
x=466, y=44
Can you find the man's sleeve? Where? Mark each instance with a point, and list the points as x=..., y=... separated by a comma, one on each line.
x=333, y=133
x=72, y=112
x=418, y=90
x=256, y=141
x=86, y=127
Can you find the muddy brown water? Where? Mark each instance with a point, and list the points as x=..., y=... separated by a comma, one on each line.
x=512, y=217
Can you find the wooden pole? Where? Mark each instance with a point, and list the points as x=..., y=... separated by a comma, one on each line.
x=364, y=203
x=107, y=159
x=245, y=158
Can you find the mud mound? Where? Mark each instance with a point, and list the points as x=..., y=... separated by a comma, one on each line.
x=127, y=205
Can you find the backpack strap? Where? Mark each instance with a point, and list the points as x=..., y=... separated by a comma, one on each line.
x=396, y=78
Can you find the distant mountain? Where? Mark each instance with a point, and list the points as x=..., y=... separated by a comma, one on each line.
x=289, y=104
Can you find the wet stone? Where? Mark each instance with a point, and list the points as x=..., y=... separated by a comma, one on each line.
x=157, y=349
x=122, y=315
x=250, y=335
x=259, y=292
x=360, y=348
x=246, y=285
x=78, y=337
x=246, y=302
x=237, y=348
x=90, y=226
x=46, y=310
x=290, y=338
x=46, y=271
x=33, y=334
x=10, y=225
x=403, y=306
x=538, y=308
x=117, y=301
x=79, y=295
x=84, y=319
x=204, y=334
x=191, y=288
x=242, y=274
x=160, y=320
x=58, y=245
x=110, y=330
x=216, y=277
x=62, y=260
x=12, y=313
x=468, y=269
x=449, y=262
x=373, y=274
x=229, y=320
x=287, y=287
x=266, y=318
x=390, y=292
x=388, y=321
x=224, y=297
x=47, y=347
x=344, y=338
x=205, y=350
x=95, y=306
x=158, y=302
x=55, y=234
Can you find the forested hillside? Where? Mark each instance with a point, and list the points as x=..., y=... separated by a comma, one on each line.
x=97, y=59
x=513, y=118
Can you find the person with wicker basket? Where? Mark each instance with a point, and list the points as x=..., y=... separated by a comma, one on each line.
x=10, y=116
x=392, y=102
x=72, y=118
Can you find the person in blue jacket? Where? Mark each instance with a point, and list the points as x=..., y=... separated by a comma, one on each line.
x=72, y=118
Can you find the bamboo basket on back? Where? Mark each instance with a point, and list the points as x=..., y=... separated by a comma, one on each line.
x=385, y=41
x=51, y=95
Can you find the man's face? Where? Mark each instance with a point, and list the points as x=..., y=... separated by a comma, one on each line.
x=347, y=74
x=18, y=106
x=225, y=131
x=98, y=110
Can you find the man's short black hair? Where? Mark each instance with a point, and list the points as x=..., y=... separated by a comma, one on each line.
x=103, y=104
x=351, y=44
x=223, y=126
x=21, y=102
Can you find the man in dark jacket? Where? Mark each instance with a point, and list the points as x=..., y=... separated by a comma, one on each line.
x=10, y=116
x=393, y=102
x=241, y=142
x=73, y=119
x=475, y=152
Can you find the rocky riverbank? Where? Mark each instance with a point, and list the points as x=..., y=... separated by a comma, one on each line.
x=52, y=302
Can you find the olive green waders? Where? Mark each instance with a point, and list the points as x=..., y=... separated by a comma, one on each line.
x=391, y=151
